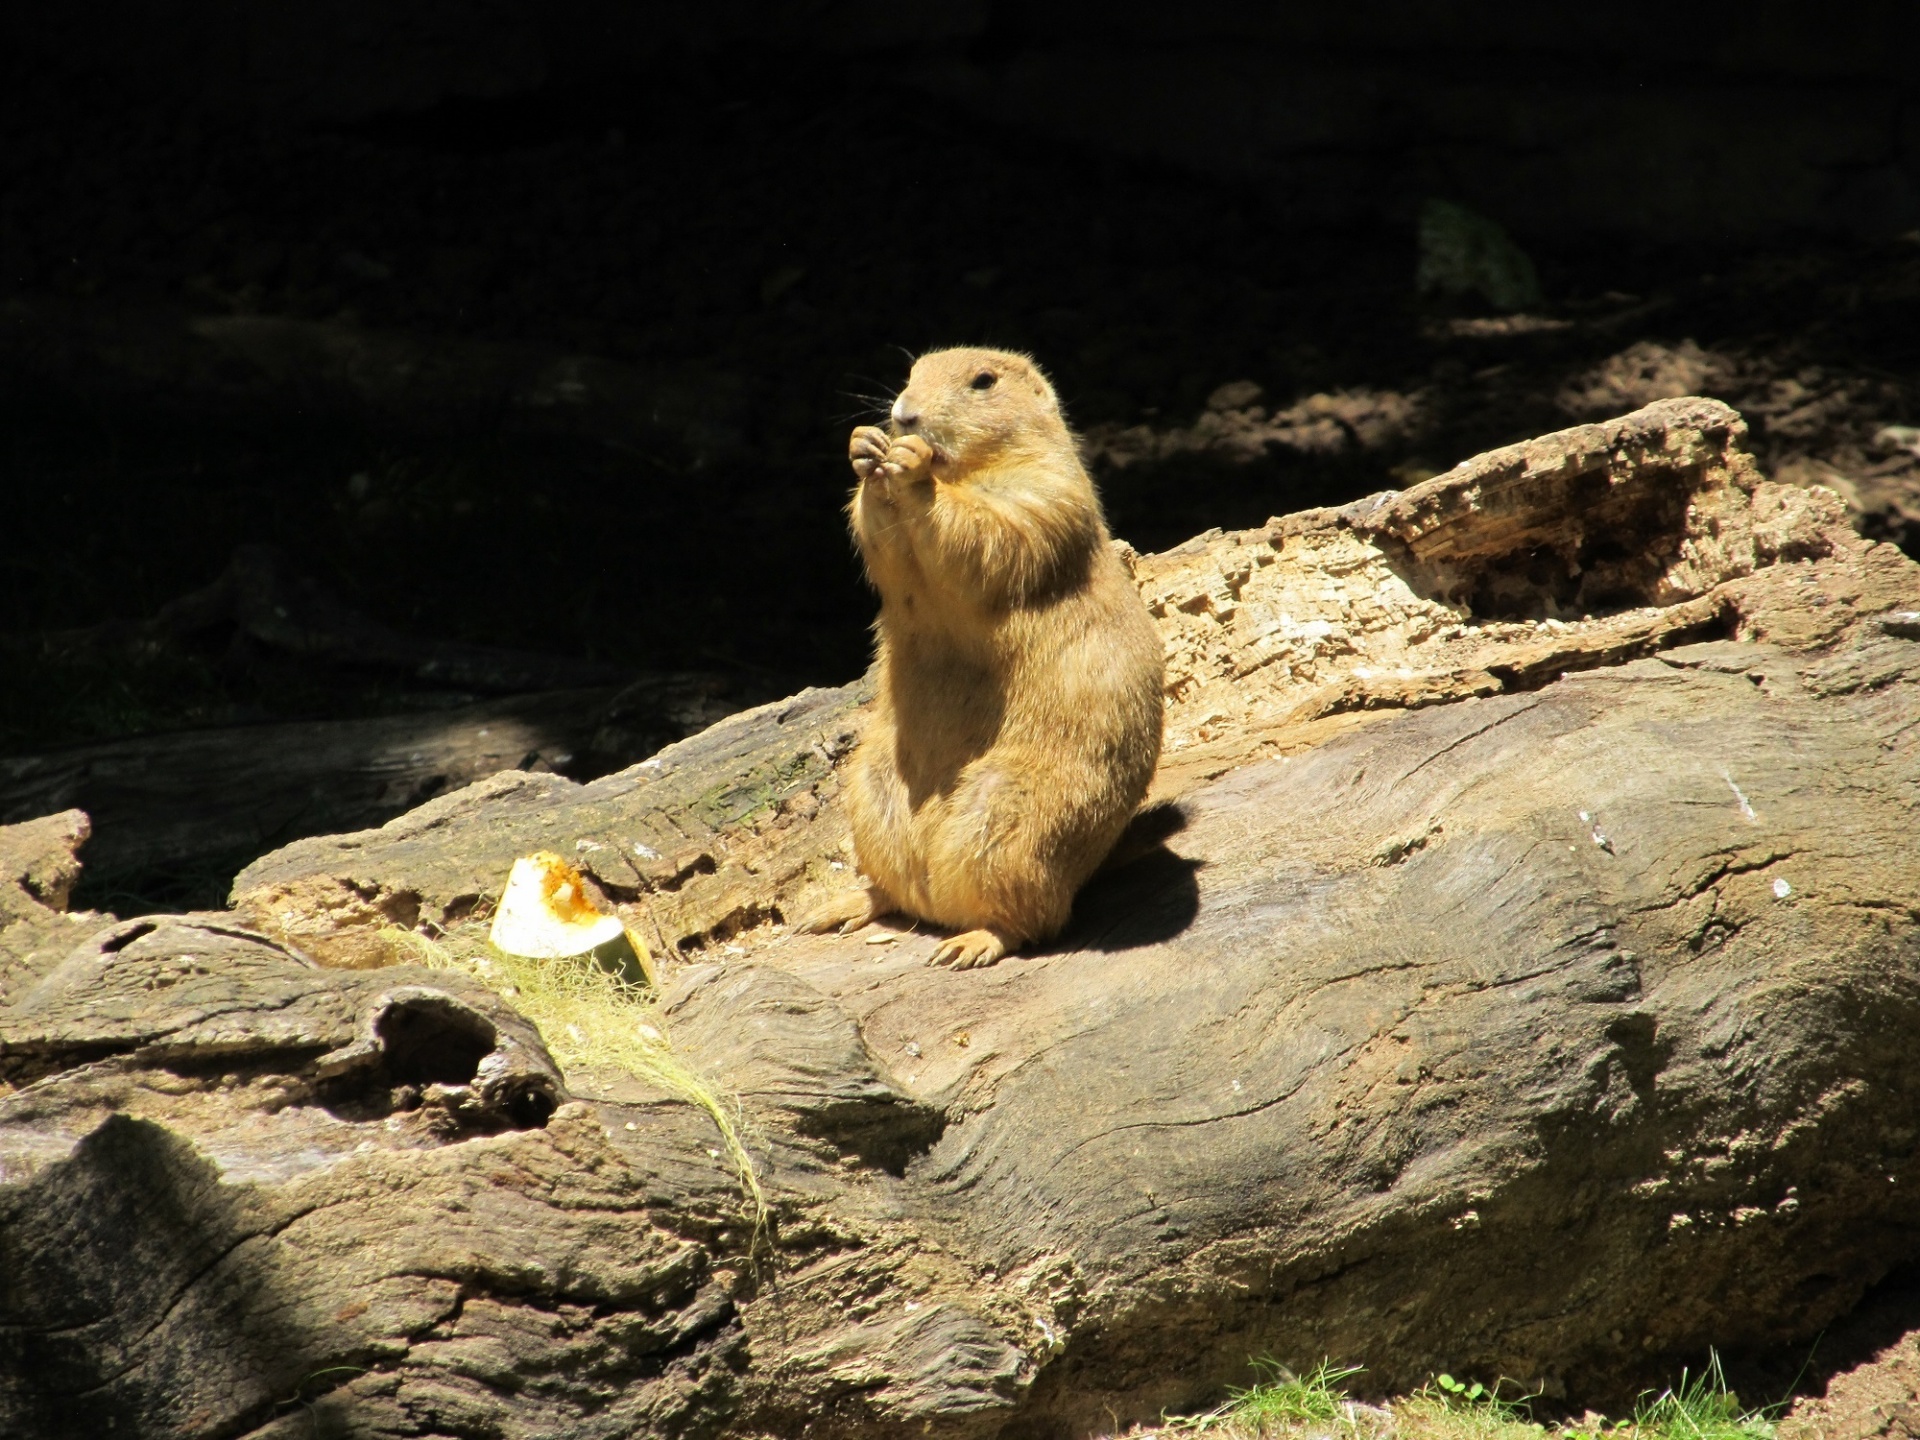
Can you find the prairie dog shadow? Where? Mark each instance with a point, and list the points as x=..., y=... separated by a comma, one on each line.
x=1142, y=893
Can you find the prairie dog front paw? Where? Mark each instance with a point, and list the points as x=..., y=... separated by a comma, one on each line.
x=909, y=458
x=867, y=449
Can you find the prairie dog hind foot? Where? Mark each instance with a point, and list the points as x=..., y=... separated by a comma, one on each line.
x=846, y=912
x=971, y=950
x=851, y=910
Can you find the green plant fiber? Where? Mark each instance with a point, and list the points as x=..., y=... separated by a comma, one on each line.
x=589, y=1016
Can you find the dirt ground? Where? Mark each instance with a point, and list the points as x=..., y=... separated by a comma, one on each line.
x=1863, y=1377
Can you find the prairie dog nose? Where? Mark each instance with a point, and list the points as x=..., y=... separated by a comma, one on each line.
x=904, y=415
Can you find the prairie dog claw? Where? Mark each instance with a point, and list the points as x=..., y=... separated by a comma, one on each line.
x=970, y=950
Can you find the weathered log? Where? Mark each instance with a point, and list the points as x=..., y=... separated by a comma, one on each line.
x=264, y=596
x=1528, y=989
x=279, y=365
x=176, y=811
x=177, y=803
x=39, y=866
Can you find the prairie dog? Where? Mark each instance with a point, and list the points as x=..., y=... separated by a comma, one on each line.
x=1016, y=722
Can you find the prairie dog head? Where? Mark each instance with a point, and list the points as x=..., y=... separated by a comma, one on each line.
x=971, y=406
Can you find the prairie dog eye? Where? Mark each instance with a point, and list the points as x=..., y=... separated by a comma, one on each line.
x=984, y=380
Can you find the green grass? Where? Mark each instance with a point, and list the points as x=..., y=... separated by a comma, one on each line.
x=1284, y=1401
x=1315, y=1404
x=591, y=1017
x=1287, y=1399
x=1700, y=1408
x=1449, y=1409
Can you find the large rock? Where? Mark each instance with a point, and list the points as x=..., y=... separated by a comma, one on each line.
x=1516, y=975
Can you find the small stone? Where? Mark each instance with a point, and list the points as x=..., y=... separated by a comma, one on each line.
x=1234, y=395
x=1903, y=623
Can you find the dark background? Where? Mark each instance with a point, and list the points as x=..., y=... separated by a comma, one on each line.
x=542, y=325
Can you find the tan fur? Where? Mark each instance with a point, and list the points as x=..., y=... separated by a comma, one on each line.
x=1017, y=720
